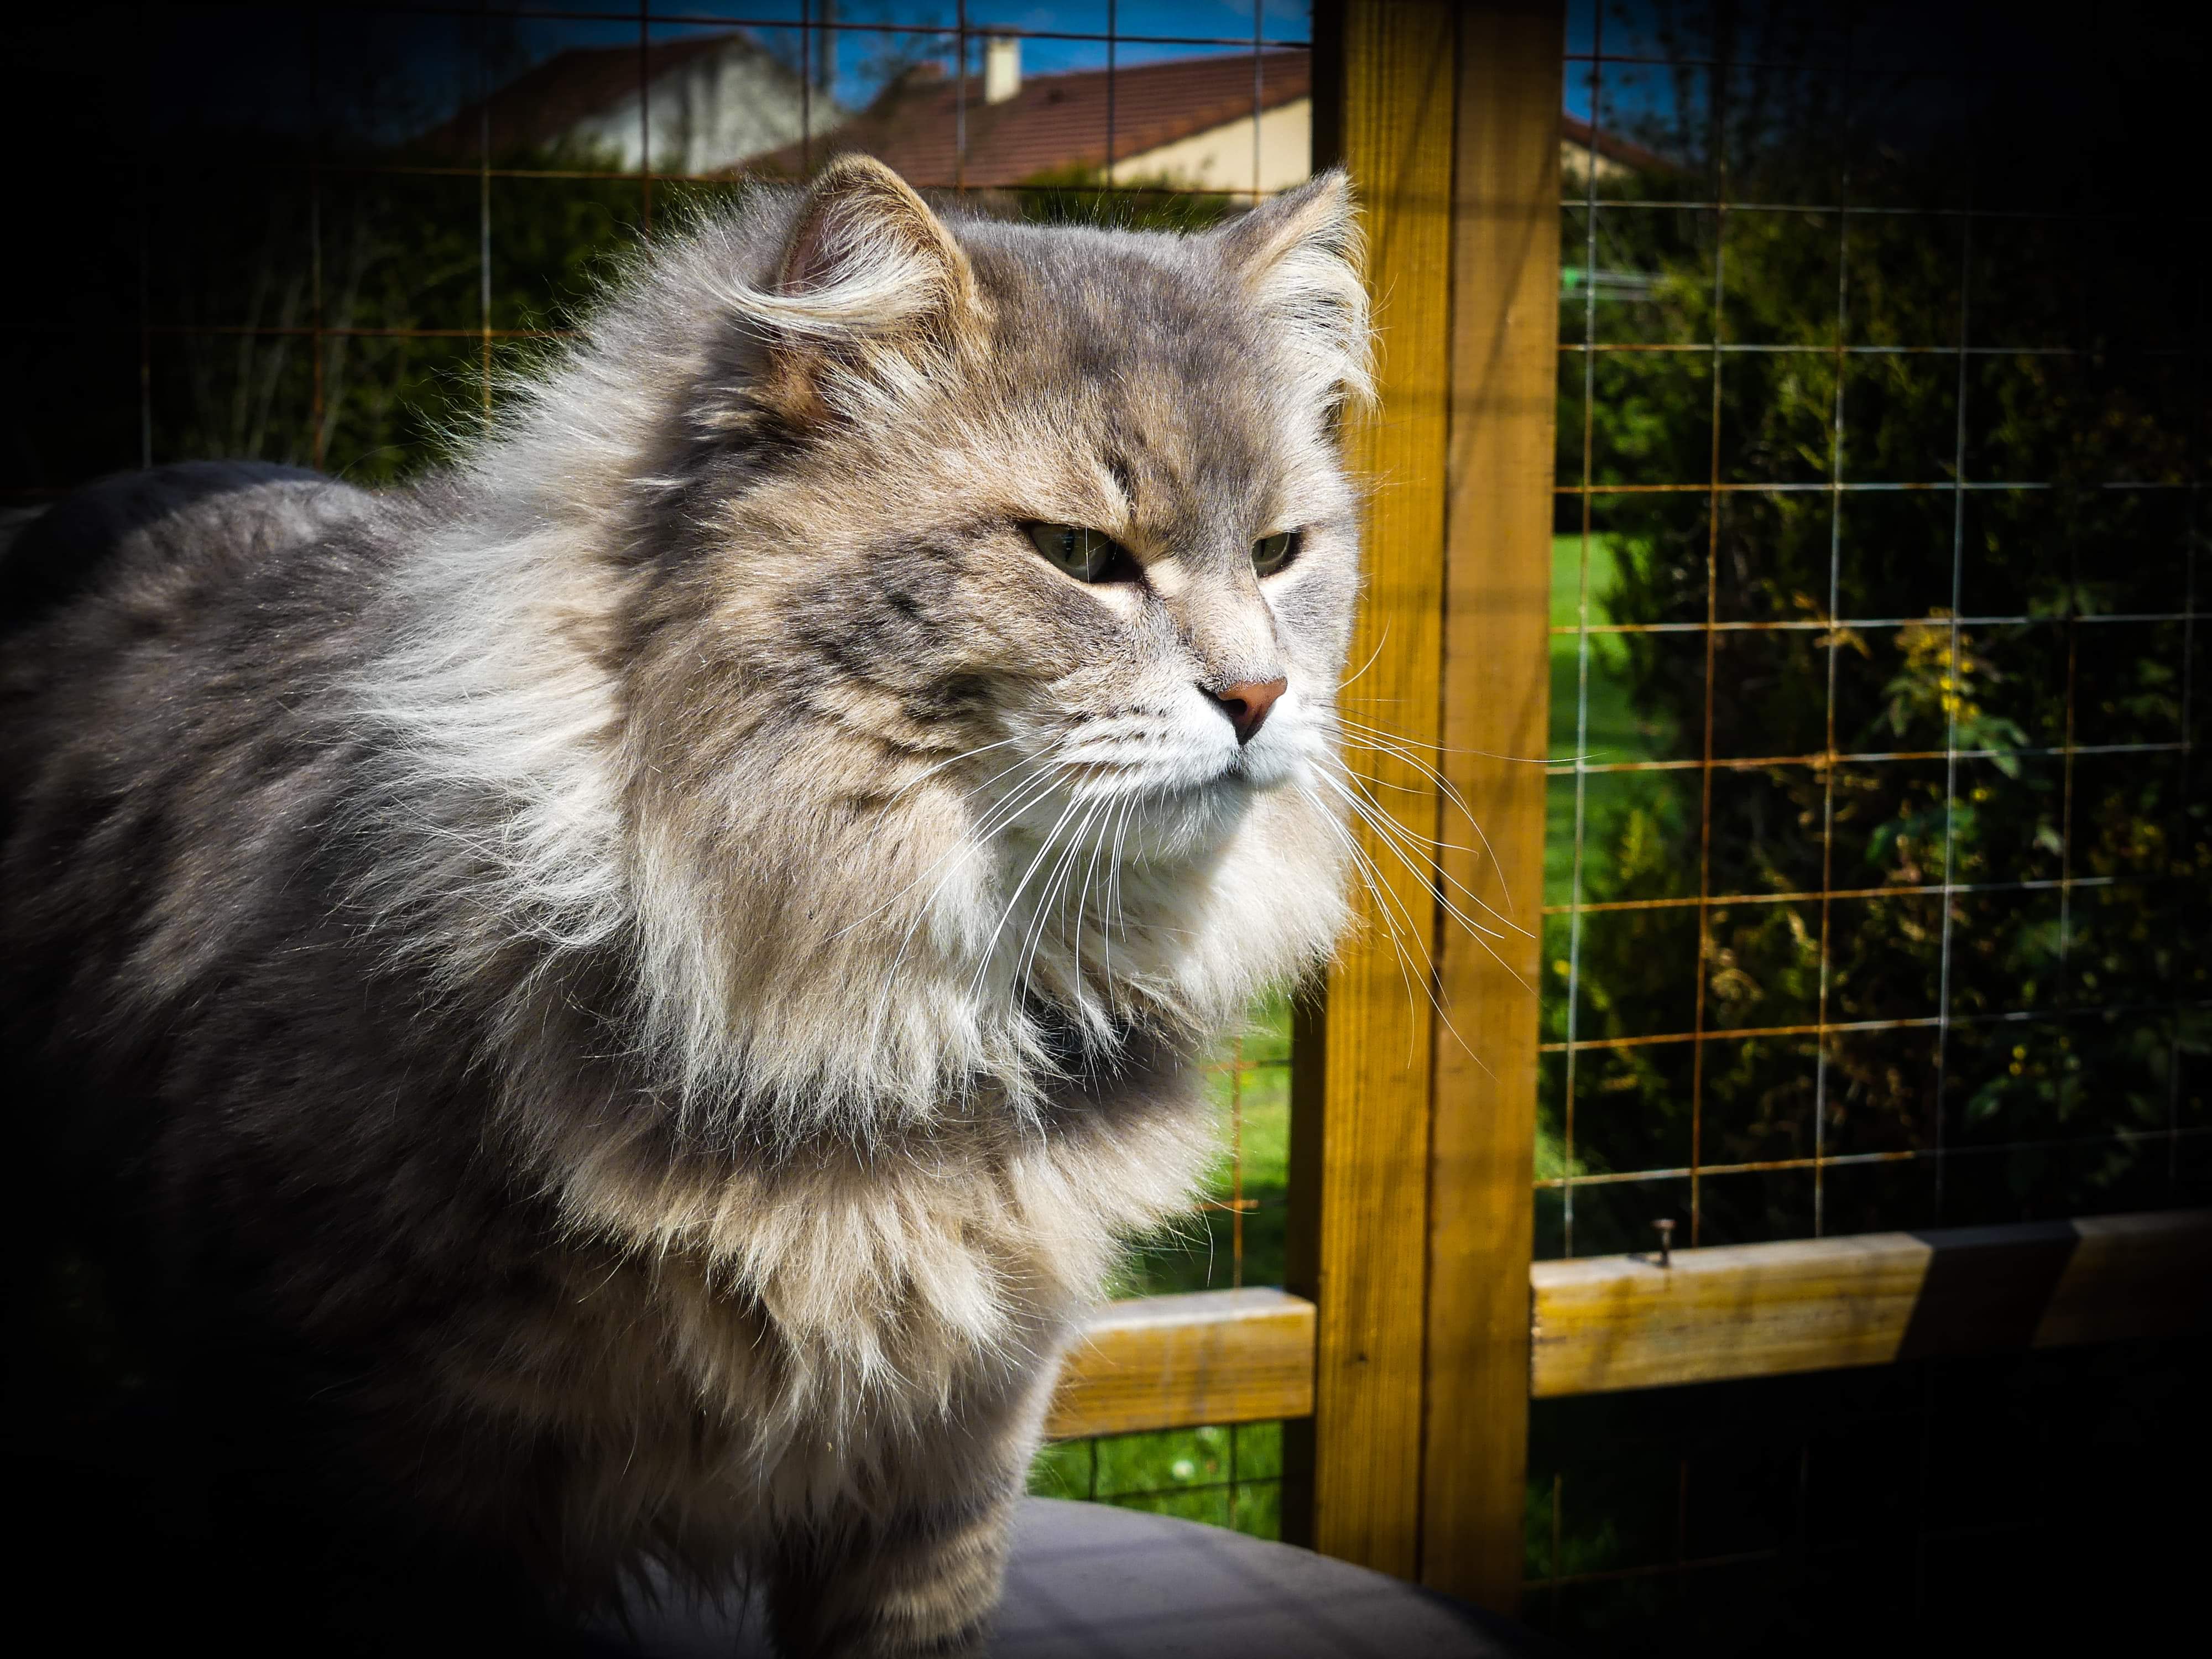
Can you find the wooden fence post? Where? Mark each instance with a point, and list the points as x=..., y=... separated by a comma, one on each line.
x=1496, y=695
x=1412, y=1133
x=1362, y=1073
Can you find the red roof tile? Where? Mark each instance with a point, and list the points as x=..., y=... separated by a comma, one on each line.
x=1055, y=122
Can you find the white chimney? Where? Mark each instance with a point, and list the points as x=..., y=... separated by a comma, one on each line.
x=1002, y=67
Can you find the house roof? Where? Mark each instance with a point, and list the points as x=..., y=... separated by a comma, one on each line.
x=1614, y=147
x=1055, y=122
x=545, y=103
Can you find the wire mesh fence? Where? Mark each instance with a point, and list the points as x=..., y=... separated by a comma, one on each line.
x=1226, y=1475
x=1878, y=830
x=328, y=236
x=1878, y=851
x=322, y=232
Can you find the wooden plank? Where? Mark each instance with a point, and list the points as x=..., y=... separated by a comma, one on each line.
x=1247, y=1355
x=1612, y=1322
x=1168, y=1362
x=1361, y=1116
x=1867, y=1299
x=2132, y=1275
x=1496, y=722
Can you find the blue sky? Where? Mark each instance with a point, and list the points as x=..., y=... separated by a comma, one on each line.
x=247, y=66
x=922, y=28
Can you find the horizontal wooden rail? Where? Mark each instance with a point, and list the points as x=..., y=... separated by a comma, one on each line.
x=1624, y=1321
x=1169, y=1362
x=1627, y=1321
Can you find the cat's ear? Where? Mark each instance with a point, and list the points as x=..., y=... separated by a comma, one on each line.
x=1302, y=259
x=866, y=252
x=869, y=289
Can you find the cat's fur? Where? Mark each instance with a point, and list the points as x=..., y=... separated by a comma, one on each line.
x=623, y=998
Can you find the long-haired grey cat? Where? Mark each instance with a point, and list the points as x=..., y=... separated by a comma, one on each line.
x=606, y=1015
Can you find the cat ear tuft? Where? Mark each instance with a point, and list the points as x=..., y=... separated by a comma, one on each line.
x=1302, y=257
x=863, y=259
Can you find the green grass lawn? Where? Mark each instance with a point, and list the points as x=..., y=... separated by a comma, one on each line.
x=1253, y=1102
x=1599, y=721
x=1614, y=732
x=1229, y=1476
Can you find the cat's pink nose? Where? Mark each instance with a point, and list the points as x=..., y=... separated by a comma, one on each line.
x=1246, y=702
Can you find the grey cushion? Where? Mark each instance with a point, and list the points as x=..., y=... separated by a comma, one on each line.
x=1089, y=1581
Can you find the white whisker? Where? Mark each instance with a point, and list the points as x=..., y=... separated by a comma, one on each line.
x=1371, y=878
x=1445, y=749
x=1419, y=867
x=990, y=949
x=1375, y=737
x=1431, y=875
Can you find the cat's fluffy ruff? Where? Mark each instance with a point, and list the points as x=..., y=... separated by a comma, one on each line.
x=696, y=868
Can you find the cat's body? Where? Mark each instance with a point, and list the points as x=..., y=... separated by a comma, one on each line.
x=617, y=1005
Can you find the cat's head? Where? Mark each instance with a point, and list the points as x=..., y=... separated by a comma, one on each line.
x=1072, y=491
x=994, y=585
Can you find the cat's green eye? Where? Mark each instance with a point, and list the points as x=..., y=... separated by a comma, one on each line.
x=1089, y=555
x=1271, y=553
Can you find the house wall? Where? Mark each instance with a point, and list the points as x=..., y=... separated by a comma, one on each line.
x=710, y=112
x=1575, y=164
x=1220, y=158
